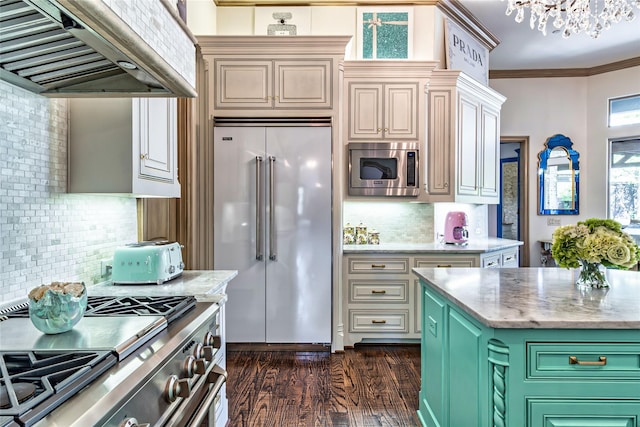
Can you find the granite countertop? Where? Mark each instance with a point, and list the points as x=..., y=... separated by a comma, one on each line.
x=205, y=285
x=538, y=298
x=474, y=246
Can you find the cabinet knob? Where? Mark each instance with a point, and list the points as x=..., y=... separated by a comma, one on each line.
x=379, y=130
x=144, y=156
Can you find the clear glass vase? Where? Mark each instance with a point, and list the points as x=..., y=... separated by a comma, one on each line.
x=592, y=275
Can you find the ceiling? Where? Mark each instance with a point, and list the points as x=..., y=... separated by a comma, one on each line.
x=522, y=48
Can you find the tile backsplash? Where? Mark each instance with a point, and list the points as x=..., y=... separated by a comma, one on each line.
x=402, y=222
x=45, y=233
x=396, y=222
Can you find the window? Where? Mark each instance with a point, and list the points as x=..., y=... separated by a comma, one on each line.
x=624, y=183
x=624, y=111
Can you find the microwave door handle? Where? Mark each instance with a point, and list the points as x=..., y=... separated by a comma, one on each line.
x=259, y=225
x=272, y=210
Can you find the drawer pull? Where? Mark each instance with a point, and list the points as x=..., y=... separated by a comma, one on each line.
x=509, y=258
x=444, y=265
x=381, y=322
x=573, y=360
x=378, y=292
x=492, y=263
x=378, y=265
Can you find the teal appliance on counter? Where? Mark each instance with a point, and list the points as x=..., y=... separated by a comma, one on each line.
x=147, y=262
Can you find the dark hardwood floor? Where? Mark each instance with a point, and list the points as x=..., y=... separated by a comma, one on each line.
x=365, y=386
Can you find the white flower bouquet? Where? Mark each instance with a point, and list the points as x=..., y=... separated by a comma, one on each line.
x=594, y=241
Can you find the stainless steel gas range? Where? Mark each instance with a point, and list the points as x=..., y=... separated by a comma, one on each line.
x=131, y=361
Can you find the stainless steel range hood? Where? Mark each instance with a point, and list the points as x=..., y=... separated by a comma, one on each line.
x=72, y=48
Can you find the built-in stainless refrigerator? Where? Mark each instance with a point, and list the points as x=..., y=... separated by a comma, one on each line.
x=272, y=207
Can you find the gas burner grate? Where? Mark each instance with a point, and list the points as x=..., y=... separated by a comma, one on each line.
x=33, y=383
x=171, y=307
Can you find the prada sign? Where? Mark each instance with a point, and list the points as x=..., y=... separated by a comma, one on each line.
x=463, y=52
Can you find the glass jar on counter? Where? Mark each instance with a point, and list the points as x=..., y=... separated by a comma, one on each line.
x=349, y=235
x=361, y=234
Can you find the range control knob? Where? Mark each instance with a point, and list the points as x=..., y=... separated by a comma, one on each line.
x=176, y=387
x=197, y=351
x=208, y=352
x=132, y=422
x=213, y=340
x=188, y=366
x=200, y=367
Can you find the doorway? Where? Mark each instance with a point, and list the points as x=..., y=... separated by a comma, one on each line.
x=510, y=218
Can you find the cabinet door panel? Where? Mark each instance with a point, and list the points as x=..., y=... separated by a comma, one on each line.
x=157, y=137
x=401, y=111
x=365, y=111
x=465, y=358
x=243, y=84
x=468, y=150
x=304, y=84
x=440, y=146
x=490, y=146
x=433, y=359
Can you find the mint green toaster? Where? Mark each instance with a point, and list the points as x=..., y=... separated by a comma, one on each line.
x=146, y=263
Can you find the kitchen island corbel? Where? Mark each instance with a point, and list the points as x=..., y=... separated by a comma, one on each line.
x=524, y=347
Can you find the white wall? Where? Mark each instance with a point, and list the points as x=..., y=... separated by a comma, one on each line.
x=428, y=28
x=201, y=17
x=577, y=108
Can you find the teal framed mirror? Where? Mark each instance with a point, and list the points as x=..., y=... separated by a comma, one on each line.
x=558, y=177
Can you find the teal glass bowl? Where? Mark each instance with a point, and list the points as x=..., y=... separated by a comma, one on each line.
x=56, y=312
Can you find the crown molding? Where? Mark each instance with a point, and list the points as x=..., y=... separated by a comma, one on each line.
x=565, y=72
x=454, y=10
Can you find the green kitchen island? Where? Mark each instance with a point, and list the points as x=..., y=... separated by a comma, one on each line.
x=523, y=347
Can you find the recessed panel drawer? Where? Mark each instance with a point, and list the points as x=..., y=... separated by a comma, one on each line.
x=588, y=360
x=445, y=261
x=378, y=265
x=583, y=412
x=389, y=291
x=510, y=258
x=492, y=261
x=378, y=320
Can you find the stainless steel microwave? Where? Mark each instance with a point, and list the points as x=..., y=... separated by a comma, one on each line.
x=384, y=169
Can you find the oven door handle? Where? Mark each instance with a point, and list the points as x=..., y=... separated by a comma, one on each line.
x=203, y=410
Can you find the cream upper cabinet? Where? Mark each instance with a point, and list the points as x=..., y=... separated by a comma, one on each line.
x=463, y=141
x=269, y=84
x=123, y=146
x=383, y=111
x=385, y=99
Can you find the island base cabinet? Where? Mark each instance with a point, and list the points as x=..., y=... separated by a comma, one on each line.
x=583, y=413
x=475, y=375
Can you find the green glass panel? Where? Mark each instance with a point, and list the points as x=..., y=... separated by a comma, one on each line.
x=391, y=34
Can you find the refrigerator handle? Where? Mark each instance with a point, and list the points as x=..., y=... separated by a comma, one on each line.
x=259, y=232
x=272, y=210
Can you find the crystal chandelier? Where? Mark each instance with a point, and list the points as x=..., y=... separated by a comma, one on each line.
x=574, y=16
